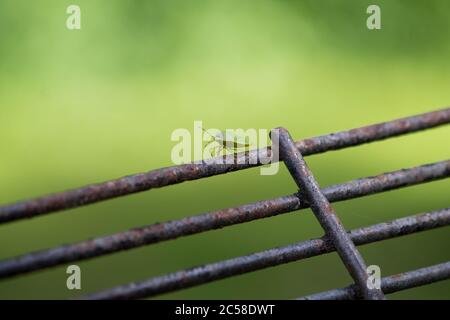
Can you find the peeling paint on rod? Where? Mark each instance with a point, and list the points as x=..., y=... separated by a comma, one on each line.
x=177, y=174
x=218, y=219
x=273, y=257
x=325, y=213
x=391, y=284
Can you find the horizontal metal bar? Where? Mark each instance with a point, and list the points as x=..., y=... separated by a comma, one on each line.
x=177, y=174
x=325, y=213
x=270, y=258
x=218, y=219
x=391, y=284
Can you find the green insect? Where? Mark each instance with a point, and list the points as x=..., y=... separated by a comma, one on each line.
x=224, y=141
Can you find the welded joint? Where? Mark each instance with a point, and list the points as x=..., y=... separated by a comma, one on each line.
x=321, y=207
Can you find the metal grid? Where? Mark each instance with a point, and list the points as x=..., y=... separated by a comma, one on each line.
x=336, y=238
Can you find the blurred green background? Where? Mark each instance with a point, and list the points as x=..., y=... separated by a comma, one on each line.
x=79, y=107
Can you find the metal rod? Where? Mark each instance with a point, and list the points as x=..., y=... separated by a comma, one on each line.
x=217, y=219
x=269, y=258
x=177, y=174
x=391, y=284
x=324, y=212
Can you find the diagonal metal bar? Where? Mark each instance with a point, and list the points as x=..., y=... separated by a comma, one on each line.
x=273, y=257
x=391, y=284
x=325, y=213
x=177, y=174
x=218, y=219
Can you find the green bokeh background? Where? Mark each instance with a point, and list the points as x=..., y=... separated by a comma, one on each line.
x=79, y=107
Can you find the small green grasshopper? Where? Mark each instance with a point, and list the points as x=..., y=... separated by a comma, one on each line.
x=224, y=142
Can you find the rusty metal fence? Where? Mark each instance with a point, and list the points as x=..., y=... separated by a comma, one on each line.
x=336, y=238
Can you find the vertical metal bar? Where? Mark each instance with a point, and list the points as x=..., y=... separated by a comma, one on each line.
x=326, y=215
